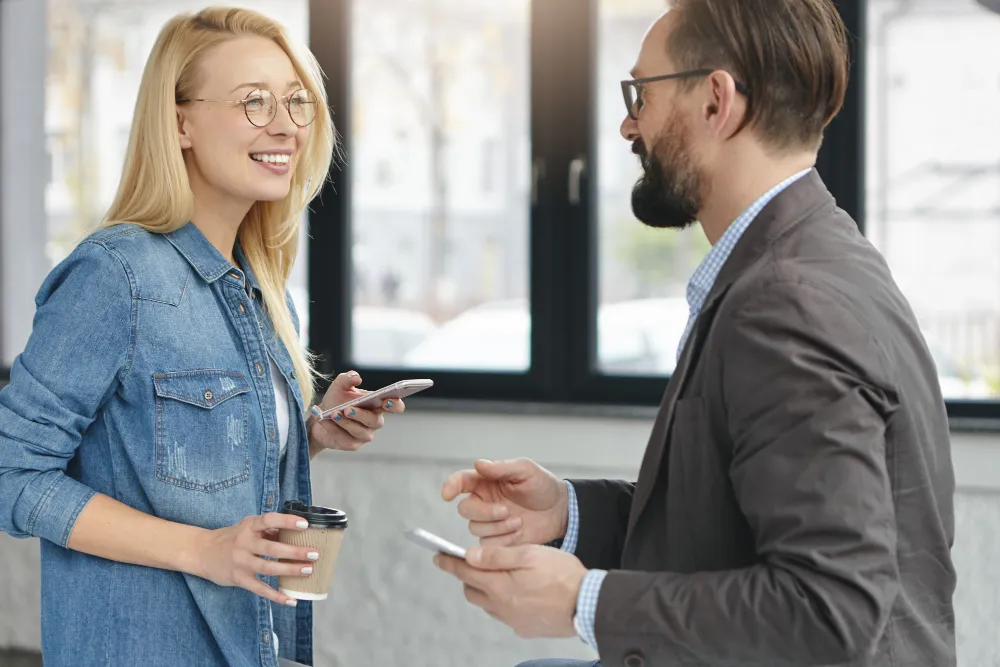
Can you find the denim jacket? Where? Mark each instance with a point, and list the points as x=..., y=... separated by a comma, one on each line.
x=146, y=378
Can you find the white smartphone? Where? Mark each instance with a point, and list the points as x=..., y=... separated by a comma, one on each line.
x=373, y=399
x=434, y=543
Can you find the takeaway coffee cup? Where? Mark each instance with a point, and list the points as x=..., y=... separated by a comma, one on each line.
x=326, y=533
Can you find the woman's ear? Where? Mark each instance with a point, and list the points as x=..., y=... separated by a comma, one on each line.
x=182, y=134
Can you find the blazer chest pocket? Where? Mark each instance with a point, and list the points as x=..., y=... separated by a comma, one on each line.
x=201, y=429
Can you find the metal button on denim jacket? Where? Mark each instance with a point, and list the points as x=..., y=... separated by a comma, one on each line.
x=146, y=378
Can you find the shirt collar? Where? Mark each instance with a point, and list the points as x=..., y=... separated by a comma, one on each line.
x=703, y=278
x=207, y=260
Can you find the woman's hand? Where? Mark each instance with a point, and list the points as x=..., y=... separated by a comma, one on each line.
x=233, y=556
x=351, y=429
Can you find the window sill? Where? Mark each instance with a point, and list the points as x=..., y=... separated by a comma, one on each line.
x=530, y=408
x=957, y=425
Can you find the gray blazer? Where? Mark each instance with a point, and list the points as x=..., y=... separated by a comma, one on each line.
x=794, y=506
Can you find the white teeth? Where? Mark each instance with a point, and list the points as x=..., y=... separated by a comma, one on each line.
x=272, y=158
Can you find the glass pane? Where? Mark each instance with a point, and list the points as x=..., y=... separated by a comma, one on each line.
x=643, y=272
x=440, y=165
x=97, y=50
x=933, y=206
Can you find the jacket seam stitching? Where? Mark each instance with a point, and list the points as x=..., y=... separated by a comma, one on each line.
x=37, y=509
x=134, y=310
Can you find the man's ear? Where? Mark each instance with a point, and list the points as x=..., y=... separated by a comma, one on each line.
x=182, y=134
x=724, y=108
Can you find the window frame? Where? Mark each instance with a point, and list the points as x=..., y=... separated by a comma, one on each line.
x=563, y=236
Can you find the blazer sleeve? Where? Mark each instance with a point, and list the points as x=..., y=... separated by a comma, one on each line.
x=78, y=351
x=807, y=400
x=604, y=507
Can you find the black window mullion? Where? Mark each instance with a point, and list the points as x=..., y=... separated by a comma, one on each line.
x=841, y=160
x=329, y=219
x=562, y=121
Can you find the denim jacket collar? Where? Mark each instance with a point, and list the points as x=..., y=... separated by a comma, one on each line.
x=206, y=259
x=247, y=270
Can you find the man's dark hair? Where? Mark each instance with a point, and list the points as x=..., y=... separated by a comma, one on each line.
x=791, y=54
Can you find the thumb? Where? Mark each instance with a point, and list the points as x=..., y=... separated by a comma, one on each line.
x=347, y=381
x=498, y=558
x=503, y=470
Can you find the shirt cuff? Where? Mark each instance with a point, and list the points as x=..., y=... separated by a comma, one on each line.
x=50, y=504
x=573, y=522
x=586, y=607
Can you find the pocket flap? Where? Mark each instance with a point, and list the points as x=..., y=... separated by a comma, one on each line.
x=204, y=389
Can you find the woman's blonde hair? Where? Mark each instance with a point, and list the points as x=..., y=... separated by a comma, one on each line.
x=155, y=193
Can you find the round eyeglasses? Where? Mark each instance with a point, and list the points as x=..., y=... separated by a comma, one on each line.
x=261, y=106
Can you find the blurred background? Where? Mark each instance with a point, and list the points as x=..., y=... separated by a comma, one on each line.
x=480, y=228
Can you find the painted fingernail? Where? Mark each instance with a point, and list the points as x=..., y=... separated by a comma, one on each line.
x=337, y=418
x=388, y=404
x=302, y=524
x=312, y=555
x=307, y=570
x=316, y=411
x=353, y=412
x=292, y=602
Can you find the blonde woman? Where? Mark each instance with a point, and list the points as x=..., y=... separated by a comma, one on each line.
x=156, y=419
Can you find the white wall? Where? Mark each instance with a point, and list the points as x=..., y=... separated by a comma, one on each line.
x=23, y=167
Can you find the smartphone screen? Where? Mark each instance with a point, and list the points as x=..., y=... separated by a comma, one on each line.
x=374, y=399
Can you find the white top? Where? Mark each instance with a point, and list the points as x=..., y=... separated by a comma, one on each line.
x=281, y=403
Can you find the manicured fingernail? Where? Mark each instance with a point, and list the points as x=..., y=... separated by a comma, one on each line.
x=291, y=602
x=316, y=411
x=307, y=570
x=312, y=555
x=302, y=524
x=337, y=418
x=388, y=404
x=353, y=412
x=500, y=512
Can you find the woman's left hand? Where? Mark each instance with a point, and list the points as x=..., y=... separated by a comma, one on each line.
x=350, y=429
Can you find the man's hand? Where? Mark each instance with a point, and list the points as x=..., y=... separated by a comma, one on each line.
x=510, y=502
x=532, y=589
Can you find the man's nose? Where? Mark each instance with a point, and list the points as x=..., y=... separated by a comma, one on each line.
x=629, y=129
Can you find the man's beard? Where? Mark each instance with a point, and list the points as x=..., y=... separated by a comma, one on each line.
x=669, y=194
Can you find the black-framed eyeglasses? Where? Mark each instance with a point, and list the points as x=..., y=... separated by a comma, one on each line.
x=632, y=90
x=261, y=106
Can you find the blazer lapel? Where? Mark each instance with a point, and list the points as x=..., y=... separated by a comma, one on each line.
x=659, y=441
x=788, y=208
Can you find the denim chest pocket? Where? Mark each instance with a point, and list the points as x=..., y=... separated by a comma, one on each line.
x=201, y=429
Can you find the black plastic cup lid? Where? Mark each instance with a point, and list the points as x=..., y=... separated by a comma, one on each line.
x=320, y=517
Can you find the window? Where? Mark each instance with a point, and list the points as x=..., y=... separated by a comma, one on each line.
x=934, y=177
x=96, y=55
x=643, y=272
x=547, y=288
x=440, y=263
